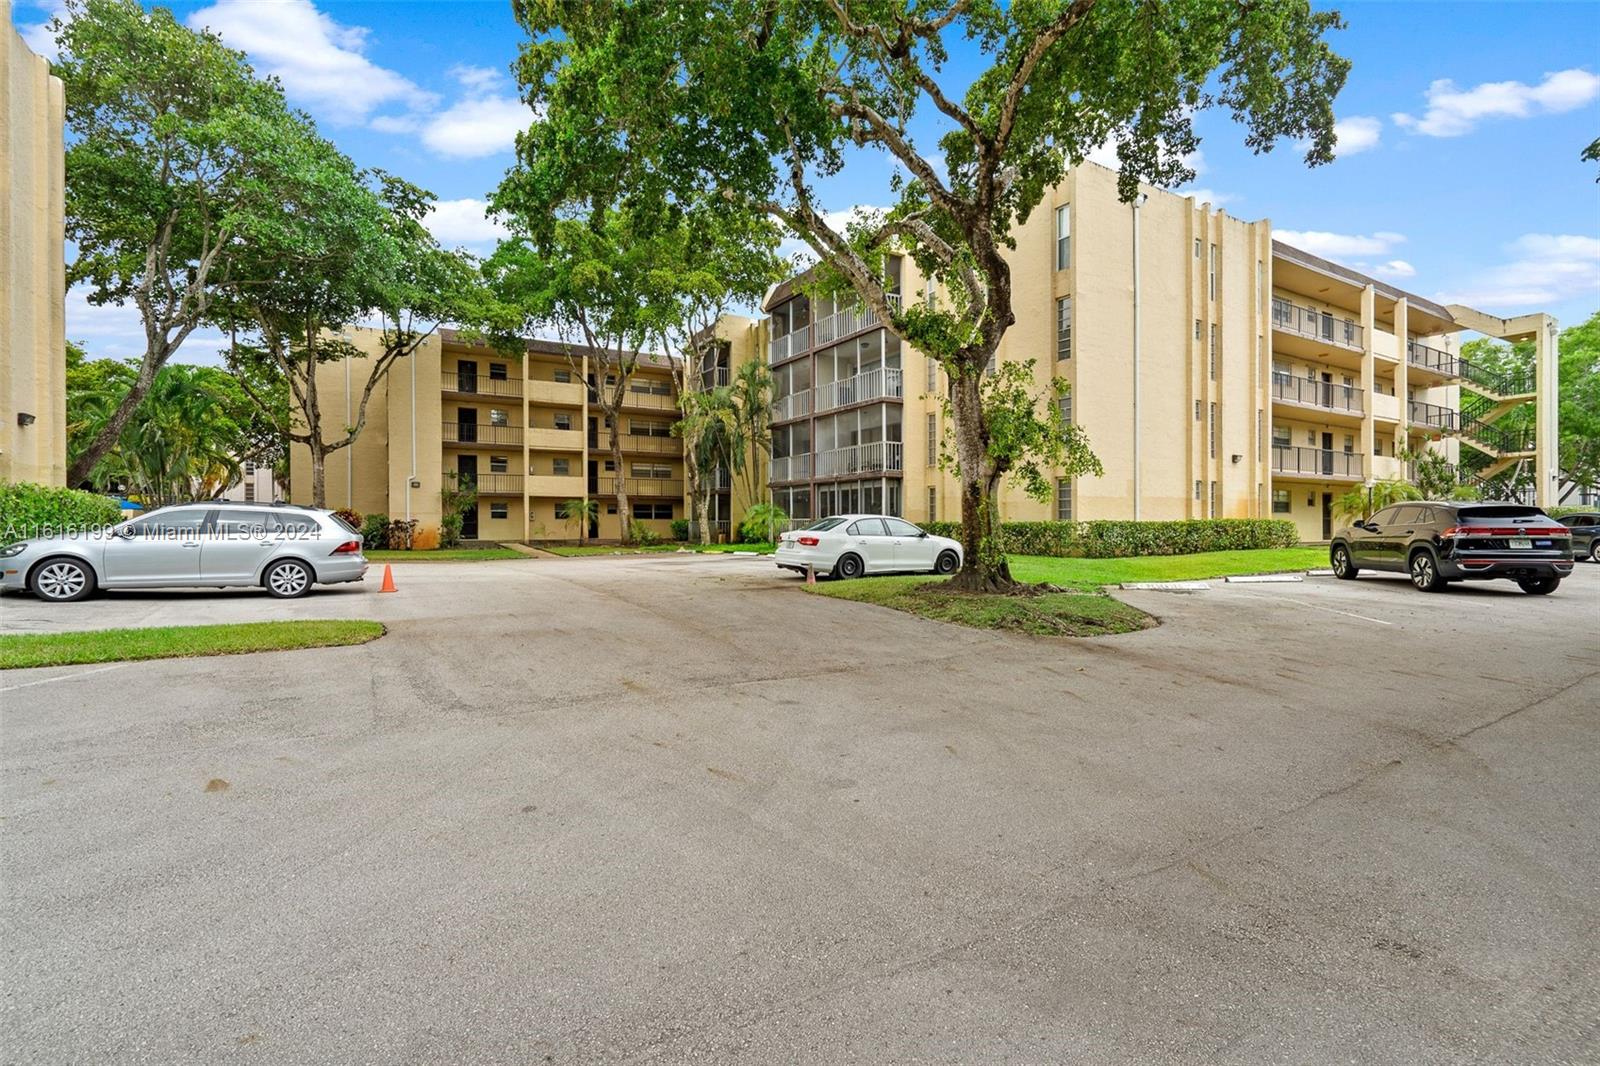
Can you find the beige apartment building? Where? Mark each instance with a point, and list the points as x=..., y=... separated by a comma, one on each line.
x=33, y=386
x=526, y=431
x=1217, y=372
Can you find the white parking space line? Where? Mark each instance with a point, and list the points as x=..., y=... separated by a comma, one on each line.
x=1314, y=606
x=63, y=677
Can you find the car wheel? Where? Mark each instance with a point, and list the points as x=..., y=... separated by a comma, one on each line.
x=1594, y=550
x=946, y=563
x=1343, y=567
x=62, y=580
x=1425, y=572
x=1539, y=586
x=287, y=579
x=848, y=566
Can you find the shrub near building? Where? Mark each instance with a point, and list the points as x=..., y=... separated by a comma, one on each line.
x=28, y=510
x=1118, y=540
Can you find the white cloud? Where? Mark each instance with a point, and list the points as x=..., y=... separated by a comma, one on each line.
x=1544, y=269
x=37, y=36
x=1358, y=133
x=1452, y=112
x=1336, y=245
x=320, y=62
x=464, y=222
x=1207, y=196
x=484, y=122
x=1395, y=268
x=117, y=332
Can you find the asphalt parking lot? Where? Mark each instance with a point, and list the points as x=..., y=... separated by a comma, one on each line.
x=672, y=808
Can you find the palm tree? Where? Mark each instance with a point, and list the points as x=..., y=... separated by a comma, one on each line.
x=583, y=511
x=710, y=428
x=1366, y=500
x=751, y=392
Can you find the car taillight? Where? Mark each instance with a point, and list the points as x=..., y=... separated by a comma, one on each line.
x=810, y=542
x=1507, y=531
x=349, y=547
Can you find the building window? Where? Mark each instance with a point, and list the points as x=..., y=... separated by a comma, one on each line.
x=498, y=510
x=498, y=418
x=640, y=428
x=1063, y=499
x=561, y=467
x=653, y=511
x=1197, y=329
x=1064, y=406
x=1197, y=490
x=497, y=372
x=1280, y=501
x=1261, y=438
x=249, y=491
x=1063, y=237
x=1197, y=247
x=611, y=466
x=1064, y=328
x=1197, y=410
x=933, y=440
x=249, y=469
x=1213, y=351
x=498, y=464
x=564, y=377
x=652, y=471
x=933, y=374
x=1349, y=444
x=561, y=510
x=933, y=504
x=1280, y=437
x=563, y=421
x=1213, y=427
x=1213, y=499
x=1377, y=446
x=1213, y=272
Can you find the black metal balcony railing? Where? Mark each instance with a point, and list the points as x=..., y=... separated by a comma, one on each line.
x=1316, y=462
x=1514, y=382
x=1325, y=394
x=1317, y=325
x=1505, y=440
x=1431, y=414
x=1434, y=359
x=475, y=433
x=480, y=384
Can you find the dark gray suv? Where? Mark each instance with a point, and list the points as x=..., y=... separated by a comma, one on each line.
x=1585, y=534
x=1437, y=543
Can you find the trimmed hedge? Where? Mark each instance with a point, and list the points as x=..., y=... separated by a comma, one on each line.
x=1118, y=540
x=28, y=510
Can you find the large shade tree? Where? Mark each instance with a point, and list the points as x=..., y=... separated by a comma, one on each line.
x=758, y=100
x=174, y=152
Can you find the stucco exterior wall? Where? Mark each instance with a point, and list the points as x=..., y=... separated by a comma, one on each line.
x=32, y=265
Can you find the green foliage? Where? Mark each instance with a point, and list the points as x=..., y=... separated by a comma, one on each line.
x=680, y=529
x=1366, y=500
x=351, y=518
x=761, y=523
x=375, y=532
x=29, y=510
x=642, y=535
x=580, y=512
x=455, y=502
x=1028, y=433
x=1103, y=539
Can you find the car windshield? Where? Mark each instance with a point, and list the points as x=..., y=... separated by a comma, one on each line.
x=825, y=524
x=1498, y=510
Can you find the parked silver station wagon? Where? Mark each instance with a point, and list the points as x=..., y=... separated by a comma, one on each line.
x=217, y=544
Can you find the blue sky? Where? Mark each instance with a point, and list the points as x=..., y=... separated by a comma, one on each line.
x=1458, y=174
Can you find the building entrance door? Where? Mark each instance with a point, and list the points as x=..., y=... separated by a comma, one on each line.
x=1327, y=516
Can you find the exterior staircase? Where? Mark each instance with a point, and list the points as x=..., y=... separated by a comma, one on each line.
x=1489, y=397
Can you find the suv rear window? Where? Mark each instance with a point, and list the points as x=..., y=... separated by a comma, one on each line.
x=1498, y=510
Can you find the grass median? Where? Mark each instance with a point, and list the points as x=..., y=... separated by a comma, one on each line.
x=580, y=550
x=20, y=651
x=1062, y=597
x=443, y=555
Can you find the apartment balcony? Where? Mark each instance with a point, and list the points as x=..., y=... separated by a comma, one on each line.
x=560, y=486
x=1319, y=326
x=646, y=486
x=475, y=435
x=877, y=384
x=713, y=377
x=878, y=457
x=458, y=384
x=1323, y=396
x=1433, y=416
x=564, y=440
x=1317, y=464
x=841, y=324
x=1432, y=360
x=492, y=484
x=640, y=444
x=650, y=401
x=790, y=468
x=794, y=405
x=560, y=393
x=790, y=344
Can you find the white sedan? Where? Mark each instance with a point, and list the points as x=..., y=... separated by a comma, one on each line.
x=854, y=544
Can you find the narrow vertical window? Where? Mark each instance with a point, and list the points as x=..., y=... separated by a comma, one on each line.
x=1063, y=499
x=933, y=440
x=1197, y=490
x=933, y=374
x=1063, y=237
x=1064, y=328
x=933, y=504
x=1213, y=351
x=1064, y=406
x=1213, y=272
x=1197, y=329
x=1213, y=430
x=1197, y=410
x=1213, y=499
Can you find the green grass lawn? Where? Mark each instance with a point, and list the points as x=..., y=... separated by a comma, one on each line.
x=576, y=550
x=22, y=650
x=1093, y=573
x=443, y=555
x=1051, y=614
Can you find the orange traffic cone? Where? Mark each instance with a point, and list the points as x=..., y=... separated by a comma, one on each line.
x=388, y=579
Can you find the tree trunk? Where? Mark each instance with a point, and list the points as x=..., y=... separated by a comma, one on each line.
x=319, y=470
x=109, y=434
x=702, y=508
x=624, y=515
x=983, y=567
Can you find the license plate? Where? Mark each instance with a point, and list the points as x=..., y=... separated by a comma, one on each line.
x=1520, y=542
